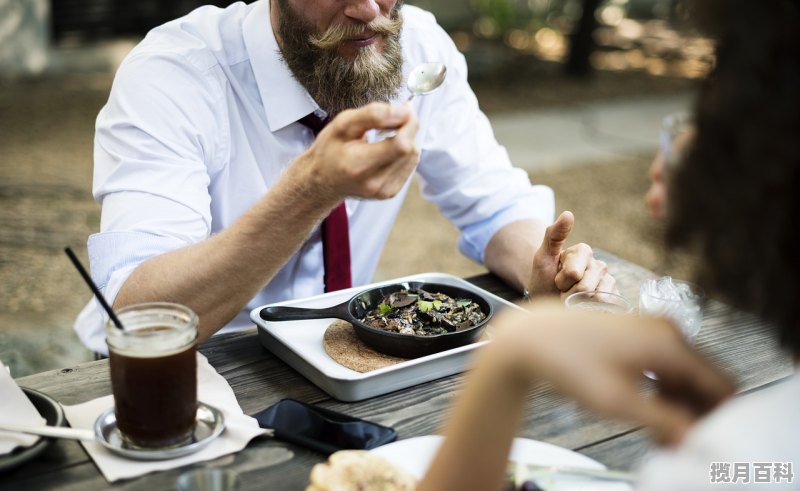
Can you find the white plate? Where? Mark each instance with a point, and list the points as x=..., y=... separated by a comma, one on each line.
x=416, y=454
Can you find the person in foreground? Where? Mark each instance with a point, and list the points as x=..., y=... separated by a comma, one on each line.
x=733, y=200
x=222, y=188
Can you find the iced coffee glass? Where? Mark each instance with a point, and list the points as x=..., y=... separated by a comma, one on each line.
x=154, y=374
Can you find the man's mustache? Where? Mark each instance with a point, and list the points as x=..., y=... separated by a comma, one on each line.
x=337, y=34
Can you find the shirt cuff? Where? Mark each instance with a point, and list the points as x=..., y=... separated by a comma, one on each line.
x=113, y=251
x=476, y=236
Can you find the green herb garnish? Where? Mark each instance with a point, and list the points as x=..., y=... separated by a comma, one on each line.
x=424, y=306
x=384, y=308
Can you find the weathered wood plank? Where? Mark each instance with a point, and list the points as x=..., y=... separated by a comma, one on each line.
x=258, y=378
x=73, y=385
x=624, y=452
x=737, y=342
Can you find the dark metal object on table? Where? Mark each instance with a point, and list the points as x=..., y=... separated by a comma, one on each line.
x=51, y=411
x=391, y=343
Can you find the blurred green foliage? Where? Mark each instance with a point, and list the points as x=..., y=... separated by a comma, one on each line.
x=494, y=18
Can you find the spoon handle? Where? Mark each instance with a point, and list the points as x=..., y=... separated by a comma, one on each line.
x=50, y=431
x=530, y=470
x=383, y=134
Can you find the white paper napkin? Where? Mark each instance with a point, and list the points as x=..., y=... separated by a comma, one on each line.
x=16, y=408
x=213, y=389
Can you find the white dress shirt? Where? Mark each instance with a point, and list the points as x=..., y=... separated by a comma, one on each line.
x=738, y=447
x=202, y=121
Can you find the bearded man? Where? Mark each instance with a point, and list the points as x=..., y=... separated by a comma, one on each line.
x=220, y=192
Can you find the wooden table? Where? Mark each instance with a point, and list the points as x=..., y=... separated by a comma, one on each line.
x=739, y=343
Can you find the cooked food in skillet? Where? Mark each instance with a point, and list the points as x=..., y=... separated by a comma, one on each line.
x=421, y=313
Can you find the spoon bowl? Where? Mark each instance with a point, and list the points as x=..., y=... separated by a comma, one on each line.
x=426, y=78
x=423, y=79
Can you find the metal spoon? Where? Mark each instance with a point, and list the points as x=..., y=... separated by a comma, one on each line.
x=422, y=80
x=524, y=472
x=426, y=78
x=51, y=431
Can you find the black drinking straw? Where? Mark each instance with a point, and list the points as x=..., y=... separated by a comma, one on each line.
x=93, y=287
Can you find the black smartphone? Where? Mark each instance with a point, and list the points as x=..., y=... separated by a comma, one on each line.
x=321, y=429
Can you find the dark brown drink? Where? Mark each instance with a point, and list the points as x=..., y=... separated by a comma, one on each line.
x=156, y=399
x=154, y=377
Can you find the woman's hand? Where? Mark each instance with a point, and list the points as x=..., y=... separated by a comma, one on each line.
x=598, y=360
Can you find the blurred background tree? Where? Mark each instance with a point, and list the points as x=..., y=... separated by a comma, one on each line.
x=58, y=58
x=582, y=35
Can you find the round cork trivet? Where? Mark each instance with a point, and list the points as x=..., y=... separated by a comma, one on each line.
x=344, y=346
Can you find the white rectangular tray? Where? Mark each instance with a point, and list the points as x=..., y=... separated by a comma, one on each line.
x=299, y=344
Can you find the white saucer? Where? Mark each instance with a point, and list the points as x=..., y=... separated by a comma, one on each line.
x=210, y=424
x=416, y=454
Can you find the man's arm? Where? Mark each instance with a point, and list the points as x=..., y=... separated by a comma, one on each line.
x=217, y=277
x=509, y=253
x=531, y=257
x=468, y=175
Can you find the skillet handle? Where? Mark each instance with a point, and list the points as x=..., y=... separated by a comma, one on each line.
x=276, y=314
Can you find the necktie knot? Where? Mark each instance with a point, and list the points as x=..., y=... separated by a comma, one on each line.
x=313, y=122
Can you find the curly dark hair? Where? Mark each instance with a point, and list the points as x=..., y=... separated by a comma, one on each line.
x=734, y=199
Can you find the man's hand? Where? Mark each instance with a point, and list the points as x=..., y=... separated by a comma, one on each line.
x=565, y=271
x=342, y=163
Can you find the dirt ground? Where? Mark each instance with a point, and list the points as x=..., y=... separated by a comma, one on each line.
x=46, y=132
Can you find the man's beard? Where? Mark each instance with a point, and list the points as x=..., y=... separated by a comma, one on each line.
x=335, y=82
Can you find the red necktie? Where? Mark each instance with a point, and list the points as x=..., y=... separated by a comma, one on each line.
x=335, y=232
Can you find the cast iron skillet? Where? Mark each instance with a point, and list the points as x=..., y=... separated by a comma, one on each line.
x=387, y=342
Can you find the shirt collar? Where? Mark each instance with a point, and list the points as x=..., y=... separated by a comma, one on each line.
x=284, y=99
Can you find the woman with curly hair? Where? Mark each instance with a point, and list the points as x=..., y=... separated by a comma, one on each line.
x=733, y=200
